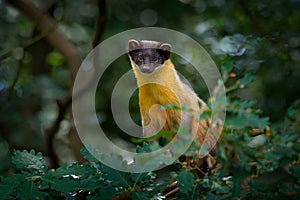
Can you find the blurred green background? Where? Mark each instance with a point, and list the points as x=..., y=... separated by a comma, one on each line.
x=261, y=37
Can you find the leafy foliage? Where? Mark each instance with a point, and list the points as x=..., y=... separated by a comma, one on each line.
x=255, y=43
x=30, y=161
x=250, y=160
x=185, y=181
x=93, y=181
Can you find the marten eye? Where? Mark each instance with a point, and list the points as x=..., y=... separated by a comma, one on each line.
x=154, y=58
x=140, y=58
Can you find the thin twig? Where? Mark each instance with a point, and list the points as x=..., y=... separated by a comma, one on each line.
x=12, y=86
x=174, y=191
x=101, y=22
x=34, y=39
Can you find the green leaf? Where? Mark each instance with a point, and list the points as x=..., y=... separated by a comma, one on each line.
x=257, y=122
x=55, y=59
x=247, y=120
x=142, y=177
x=68, y=179
x=246, y=80
x=148, y=147
x=20, y=186
x=226, y=69
x=28, y=190
x=30, y=160
x=118, y=178
x=237, y=106
x=227, y=66
x=105, y=193
x=74, y=169
x=186, y=180
x=9, y=185
x=296, y=171
x=63, y=185
x=85, y=151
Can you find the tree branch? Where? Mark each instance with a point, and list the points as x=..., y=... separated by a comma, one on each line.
x=101, y=22
x=45, y=24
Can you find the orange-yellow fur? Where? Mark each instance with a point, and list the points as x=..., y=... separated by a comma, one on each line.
x=164, y=87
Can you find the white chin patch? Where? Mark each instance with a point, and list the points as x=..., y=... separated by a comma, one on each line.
x=149, y=69
x=145, y=67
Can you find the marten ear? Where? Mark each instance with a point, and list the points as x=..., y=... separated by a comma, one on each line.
x=133, y=45
x=166, y=50
x=165, y=47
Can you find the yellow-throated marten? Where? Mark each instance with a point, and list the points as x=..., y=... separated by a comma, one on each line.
x=159, y=84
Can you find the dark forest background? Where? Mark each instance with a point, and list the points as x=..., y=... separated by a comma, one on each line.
x=44, y=42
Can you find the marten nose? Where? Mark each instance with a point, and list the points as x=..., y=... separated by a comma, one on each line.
x=147, y=60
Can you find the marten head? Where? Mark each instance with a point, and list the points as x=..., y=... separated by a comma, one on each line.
x=148, y=56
